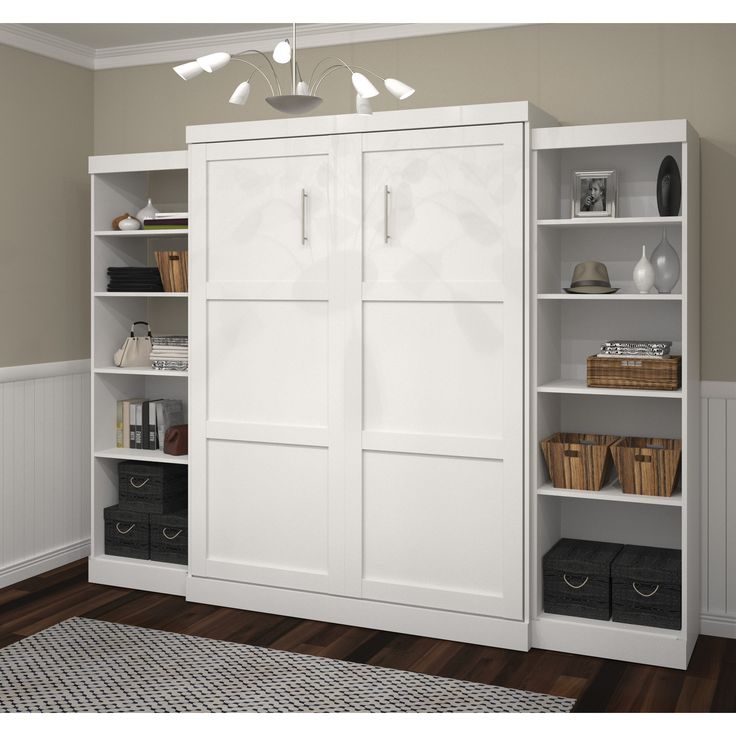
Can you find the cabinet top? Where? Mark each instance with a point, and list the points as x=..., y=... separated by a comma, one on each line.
x=429, y=117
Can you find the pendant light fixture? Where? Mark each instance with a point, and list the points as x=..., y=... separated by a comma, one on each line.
x=303, y=95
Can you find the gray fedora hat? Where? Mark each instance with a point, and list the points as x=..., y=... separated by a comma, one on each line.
x=590, y=277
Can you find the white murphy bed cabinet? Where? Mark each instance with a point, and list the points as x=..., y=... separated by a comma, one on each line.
x=357, y=403
x=378, y=342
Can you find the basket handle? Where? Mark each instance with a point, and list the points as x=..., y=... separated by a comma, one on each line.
x=645, y=595
x=570, y=453
x=163, y=531
x=127, y=531
x=575, y=587
x=643, y=458
x=136, y=485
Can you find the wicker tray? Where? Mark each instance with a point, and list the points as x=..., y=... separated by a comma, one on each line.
x=663, y=374
x=579, y=462
x=647, y=466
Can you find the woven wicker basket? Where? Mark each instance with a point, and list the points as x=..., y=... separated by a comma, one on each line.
x=647, y=466
x=579, y=462
x=643, y=373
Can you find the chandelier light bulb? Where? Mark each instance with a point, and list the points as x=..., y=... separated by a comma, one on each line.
x=363, y=106
x=398, y=89
x=282, y=52
x=302, y=88
x=189, y=70
x=240, y=96
x=212, y=62
x=363, y=85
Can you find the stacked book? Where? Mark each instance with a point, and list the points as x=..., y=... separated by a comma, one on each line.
x=170, y=352
x=167, y=221
x=141, y=424
x=634, y=349
x=134, y=278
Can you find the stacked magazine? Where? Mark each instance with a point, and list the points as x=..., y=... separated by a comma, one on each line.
x=634, y=349
x=170, y=352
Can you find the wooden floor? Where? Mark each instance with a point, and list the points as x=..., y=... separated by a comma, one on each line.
x=599, y=685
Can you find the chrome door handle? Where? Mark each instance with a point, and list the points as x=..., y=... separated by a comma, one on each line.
x=305, y=214
x=386, y=196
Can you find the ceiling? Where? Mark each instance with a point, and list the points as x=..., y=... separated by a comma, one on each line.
x=110, y=35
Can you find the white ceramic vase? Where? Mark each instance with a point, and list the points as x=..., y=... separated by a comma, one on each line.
x=146, y=213
x=644, y=273
x=129, y=223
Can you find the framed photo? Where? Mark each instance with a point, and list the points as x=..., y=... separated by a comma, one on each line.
x=594, y=193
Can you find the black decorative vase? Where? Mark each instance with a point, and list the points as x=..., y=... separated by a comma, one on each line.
x=669, y=188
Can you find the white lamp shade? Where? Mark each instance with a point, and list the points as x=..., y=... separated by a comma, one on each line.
x=189, y=70
x=212, y=62
x=398, y=89
x=240, y=96
x=363, y=106
x=363, y=85
x=282, y=52
x=302, y=88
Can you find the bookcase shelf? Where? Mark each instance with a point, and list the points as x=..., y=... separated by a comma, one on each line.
x=123, y=183
x=117, y=371
x=157, y=456
x=139, y=294
x=173, y=233
x=566, y=328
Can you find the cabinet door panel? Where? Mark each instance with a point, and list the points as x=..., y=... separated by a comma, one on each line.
x=269, y=362
x=262, y=207
x=443, y=212
x=434, y=368
x=439, y=515
x=267, y=521
x=264, y=468
x=433, y=534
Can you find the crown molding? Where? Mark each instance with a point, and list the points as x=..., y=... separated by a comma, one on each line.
x=309, y=36
x=44, y=44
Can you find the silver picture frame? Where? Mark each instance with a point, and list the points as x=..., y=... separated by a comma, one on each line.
x=594, y=193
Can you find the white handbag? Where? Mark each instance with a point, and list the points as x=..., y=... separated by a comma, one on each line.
x=136, y=351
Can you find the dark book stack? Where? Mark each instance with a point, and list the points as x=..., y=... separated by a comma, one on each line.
x=134, y=278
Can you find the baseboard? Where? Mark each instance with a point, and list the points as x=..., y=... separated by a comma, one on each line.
x=711, y=625
x=43, y=563
x=469, y=628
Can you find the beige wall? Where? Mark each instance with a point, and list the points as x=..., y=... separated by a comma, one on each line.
x=45, y=137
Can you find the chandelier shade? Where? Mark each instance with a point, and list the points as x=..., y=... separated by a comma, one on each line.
x=189, y=70
x=363, y=106
x=301, y=96
x=212, y=62
x=363, y=86
x=398, y=89
x=282, y=52
x=240, y=96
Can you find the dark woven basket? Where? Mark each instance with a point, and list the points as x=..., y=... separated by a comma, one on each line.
x=647, y=587
x=170, y=537
x=577, y=578
x=126, y=533
x=153, y=488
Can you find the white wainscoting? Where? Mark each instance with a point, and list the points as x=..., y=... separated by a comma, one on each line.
x=718, y=513
x=44, y=467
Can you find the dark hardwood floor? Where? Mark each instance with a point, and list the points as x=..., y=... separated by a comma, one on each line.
x=709, y=684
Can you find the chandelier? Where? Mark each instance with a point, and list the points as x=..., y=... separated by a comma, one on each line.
x=303, y=95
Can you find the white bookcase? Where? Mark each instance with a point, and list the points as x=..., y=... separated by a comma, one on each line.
x=565, y=329
x=119, y=184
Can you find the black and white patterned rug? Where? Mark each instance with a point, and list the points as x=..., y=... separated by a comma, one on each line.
x=81, y=665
